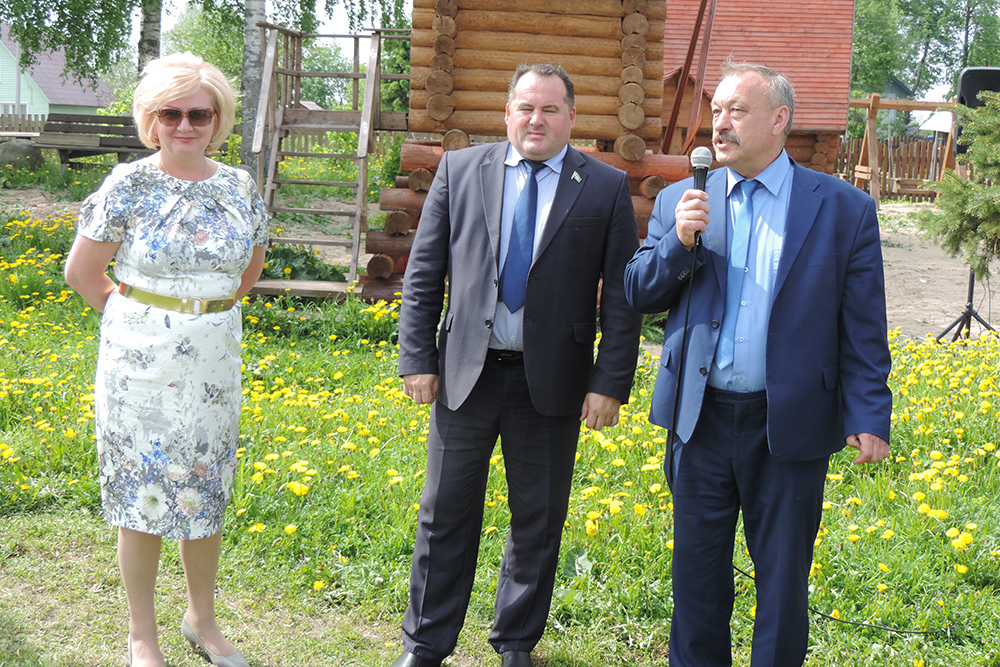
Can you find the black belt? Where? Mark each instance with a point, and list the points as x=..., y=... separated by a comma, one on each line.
x=726, y=395
x=505, y=356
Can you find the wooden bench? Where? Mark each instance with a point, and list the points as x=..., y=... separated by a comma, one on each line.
x=78, y=135
x=914, y=188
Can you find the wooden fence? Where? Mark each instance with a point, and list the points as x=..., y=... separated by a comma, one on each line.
x=18, y=124
x=904, y=163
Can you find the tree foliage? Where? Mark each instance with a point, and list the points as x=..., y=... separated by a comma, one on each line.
x=967, y=217
x=215, y=35
x=924, y=43
x=875, y=52
x=370, y=13
x=94, y=34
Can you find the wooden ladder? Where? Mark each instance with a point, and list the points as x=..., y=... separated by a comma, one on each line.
x=284, y=114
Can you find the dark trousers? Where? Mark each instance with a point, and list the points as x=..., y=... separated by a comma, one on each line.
x=539, y=453
x=726, y=467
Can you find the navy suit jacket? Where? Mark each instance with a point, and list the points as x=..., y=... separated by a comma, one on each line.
x=590, y=234
x=827, y=358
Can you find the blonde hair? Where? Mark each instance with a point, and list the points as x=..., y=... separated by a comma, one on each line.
x=179, y=75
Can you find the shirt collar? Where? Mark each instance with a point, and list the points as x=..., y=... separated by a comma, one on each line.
x=771, y=178
x=554, y=163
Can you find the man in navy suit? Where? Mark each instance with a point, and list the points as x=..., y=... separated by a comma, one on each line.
x=514, y=358
x=787, y=361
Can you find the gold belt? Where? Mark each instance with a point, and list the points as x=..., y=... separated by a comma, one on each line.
x=191, y=306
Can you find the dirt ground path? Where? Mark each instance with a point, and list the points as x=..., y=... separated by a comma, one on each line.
x=926, y=288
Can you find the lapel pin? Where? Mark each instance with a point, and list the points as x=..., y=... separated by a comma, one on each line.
x=576, y=177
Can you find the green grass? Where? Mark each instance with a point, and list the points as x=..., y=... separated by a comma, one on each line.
x=319, y=535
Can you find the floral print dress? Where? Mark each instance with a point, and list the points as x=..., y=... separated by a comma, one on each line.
x=167, y=394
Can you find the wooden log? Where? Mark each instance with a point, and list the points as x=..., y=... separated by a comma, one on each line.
x=672, y=168
x=443, y=62
x=635, y=24
x=402, y=181
x=420, y=179
x=588, y=105
x=630, y=146
x=631, y=116
x=391, y=199
x=639, y=42
x=543, y=24
x=574, y=63
x=453, y=140
x=522, y=43
x=440, y=107
x=650, y=186
x=492, y=80
x=377, y=243
x=631, y=93
x=634, y=56
x=445, y=25
x=439, y=83
x=491, y=123
x=801, y=154
x=643, y=206
x=397, y=223
x=631, y=74
x=606, y=8
x=381, y=266
x=443, y=44
x=632, y=6
x=801, y=139
x=446, y=8
x=381, y=290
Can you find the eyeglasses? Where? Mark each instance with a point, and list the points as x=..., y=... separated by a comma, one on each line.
x=197, y=117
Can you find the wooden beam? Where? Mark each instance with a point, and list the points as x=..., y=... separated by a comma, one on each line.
x=900, y=105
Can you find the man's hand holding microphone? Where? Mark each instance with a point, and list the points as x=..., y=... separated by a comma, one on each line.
x=691, y=213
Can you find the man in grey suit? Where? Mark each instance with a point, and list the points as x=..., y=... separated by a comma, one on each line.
x=514, y=357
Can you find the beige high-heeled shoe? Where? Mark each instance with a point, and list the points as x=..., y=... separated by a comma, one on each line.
x=234, y=660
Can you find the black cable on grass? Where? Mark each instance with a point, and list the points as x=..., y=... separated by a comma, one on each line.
x=871, y=626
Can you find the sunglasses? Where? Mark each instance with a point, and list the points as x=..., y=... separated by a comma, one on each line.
x=197, y=117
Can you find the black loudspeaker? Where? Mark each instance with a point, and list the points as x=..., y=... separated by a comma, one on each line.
x=971, y=82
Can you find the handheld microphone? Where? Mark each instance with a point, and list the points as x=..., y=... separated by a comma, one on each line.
x=701, y=160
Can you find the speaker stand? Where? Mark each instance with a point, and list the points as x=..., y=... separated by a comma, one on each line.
x=964, y=321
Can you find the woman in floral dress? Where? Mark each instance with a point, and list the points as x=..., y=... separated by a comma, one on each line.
x=187, y=236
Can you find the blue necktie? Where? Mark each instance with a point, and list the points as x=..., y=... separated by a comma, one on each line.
x=734, y=276
x=522, y=242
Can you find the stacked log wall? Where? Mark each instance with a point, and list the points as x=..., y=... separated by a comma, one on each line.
x=463, y=53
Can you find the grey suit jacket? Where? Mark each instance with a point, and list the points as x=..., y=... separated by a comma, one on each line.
x=590, y=233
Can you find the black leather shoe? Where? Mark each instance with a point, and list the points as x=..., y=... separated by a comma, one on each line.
x=515, y=659
x=410, y=660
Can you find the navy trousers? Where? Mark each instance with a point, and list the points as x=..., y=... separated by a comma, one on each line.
x=539, y=453
x=726, y=467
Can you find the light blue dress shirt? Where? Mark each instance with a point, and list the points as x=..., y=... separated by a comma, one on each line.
x=767, y=235
x=508, y=329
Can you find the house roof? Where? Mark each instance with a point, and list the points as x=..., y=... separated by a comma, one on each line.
x=812, y=48
x=47, y=72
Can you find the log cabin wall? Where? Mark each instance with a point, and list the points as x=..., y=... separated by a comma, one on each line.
x=463, y=53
